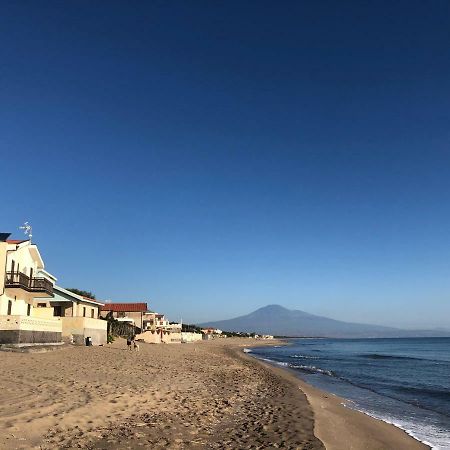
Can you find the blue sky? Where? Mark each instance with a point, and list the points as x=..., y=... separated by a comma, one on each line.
x=214, y=157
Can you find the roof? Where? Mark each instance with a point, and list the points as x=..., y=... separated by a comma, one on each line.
x=125, y=307
x=76, y=296
x=16, y=241
x=88, y=299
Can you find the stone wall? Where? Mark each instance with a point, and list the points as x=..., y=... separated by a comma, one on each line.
x=19, y=337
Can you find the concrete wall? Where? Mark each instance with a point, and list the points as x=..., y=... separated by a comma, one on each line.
x=44, y=313
x=156, y=337
x=82, y=327
x=171, y=338
x=151, y=337
x=191, y=337
x=29, y=330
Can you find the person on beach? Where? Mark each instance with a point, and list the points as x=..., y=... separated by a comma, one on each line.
x=129, y=342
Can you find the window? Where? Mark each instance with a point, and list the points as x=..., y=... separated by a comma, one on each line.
x=57, y=311
x=84, y=311
x=42, y=305
x=9, y=307
x=28, y=310
x=92, y=312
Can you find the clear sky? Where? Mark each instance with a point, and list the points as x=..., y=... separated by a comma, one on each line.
x=214, y=157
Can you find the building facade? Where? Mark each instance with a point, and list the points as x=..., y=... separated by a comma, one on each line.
x=132, y=313
x=80, y=317
x=158, y=330
x=24, y=319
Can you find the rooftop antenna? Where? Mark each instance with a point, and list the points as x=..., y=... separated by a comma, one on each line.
x=27, y=229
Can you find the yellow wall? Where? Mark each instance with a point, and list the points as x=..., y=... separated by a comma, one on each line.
x=46, y=313
x=78, y=310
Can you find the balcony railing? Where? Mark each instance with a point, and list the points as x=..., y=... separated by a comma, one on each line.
x=35, y=284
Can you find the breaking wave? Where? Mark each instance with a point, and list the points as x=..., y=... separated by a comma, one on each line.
x=312, y=369
x=304, y=357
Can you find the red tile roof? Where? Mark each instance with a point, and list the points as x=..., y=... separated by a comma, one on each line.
x=16, y=241
x=125, y=307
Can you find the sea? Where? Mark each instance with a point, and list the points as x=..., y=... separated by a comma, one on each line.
x=404, y=382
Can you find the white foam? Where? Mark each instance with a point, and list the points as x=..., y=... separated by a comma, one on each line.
x=304, y=357
x=247, y=350
x=420, y=432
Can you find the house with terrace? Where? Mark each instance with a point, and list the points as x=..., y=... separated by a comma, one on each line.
x=25, y=317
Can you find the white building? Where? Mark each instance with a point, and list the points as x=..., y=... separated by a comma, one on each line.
x=24, y=288
x=33, y=310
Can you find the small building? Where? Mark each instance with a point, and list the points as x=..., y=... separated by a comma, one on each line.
x=132, y=313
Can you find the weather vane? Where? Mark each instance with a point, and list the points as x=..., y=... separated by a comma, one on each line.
x=27, y=229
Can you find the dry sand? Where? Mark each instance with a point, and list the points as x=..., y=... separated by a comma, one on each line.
x=195, y=396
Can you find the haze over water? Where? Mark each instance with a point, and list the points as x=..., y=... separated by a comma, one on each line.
x=401, y=381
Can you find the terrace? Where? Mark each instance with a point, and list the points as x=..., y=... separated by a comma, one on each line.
x=19, y=280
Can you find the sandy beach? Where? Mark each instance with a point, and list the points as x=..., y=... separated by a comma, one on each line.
x=204, y=395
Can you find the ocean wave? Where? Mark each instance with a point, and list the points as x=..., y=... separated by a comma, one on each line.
x=312, y=369
x=247, y=350
x=304, y=357
x=282, y=364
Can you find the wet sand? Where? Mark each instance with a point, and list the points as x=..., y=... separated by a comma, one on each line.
x=341, y=428
x=207, y=395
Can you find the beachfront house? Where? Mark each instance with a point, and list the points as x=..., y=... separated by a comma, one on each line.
x=157, y=329
x=132, y=313
x=24, y=284
x=80, y=317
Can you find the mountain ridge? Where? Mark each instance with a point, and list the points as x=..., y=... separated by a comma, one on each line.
x=279, y=321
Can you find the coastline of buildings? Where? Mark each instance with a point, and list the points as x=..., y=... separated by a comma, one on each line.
x=35, y=310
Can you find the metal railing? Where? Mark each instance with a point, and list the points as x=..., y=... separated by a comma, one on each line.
x=35, y=284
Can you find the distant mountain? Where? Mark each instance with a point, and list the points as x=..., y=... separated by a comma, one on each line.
x=279, y=321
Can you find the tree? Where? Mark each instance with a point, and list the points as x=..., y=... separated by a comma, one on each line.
x=82, y=293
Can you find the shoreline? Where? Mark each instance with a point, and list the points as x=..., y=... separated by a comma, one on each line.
x=341, y=427
x=206, y=395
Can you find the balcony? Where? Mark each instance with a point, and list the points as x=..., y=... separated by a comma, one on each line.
x=36, y=284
